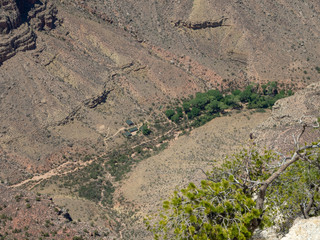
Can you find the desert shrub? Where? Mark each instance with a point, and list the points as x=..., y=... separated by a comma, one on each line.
x=118, y=165
x=91, y=191
x=145, y=130
x=169, y=113
x=77, y=238
x=108, y=193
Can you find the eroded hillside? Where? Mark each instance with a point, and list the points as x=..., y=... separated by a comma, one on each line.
x=25, y=215
x=105, y=62
x=245, y=39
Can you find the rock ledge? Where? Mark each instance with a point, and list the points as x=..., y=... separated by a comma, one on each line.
x=18, y=35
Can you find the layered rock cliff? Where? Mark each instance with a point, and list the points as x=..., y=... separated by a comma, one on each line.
x=42, y=16
x=16, y=28
x=9, y=16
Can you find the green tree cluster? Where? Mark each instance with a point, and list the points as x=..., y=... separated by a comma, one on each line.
x=250, y=190
x=203, y=107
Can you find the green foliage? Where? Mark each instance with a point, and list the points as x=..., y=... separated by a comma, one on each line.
x=179, y=111
x=169, y=113
x=216, y=94
x=186, y=107
x=294, y=189
x=175, y=118
x=197, y=109
x=236, y=92
x=224, y=205
x=194, y=113
x=246, y=94
x=220, y=208
x=213, y=107
x=215, y=210
x=145, y=130
x=91, y=191
x=95, y=171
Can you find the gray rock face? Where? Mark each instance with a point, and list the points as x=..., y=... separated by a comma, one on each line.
x=16, y=35
x=304, y=229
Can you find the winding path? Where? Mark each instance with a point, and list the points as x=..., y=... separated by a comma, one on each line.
x=54, y=172
x=59, y=171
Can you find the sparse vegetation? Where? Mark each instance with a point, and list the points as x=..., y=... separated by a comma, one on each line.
x=91, y=191
x=77, y=238
x=118, y=165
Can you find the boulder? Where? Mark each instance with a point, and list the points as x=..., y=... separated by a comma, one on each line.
x=304, y=229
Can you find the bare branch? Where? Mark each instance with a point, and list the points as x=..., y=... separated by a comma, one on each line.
x=307, y=209
x=295, y=157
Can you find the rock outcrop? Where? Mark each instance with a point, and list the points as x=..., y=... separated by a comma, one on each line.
x=200, y=24
x=20, y=39
x=16, y=34
x=9, y=16
x=43, y=16
x=44, y=218
x=304, y=229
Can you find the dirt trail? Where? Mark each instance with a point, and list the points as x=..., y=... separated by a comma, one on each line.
x=54, y=172
x=153, y=139
x=59, y=171
x=107, y=137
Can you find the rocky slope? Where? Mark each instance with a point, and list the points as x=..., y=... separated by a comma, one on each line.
x=94, y=64
x=243, y=39
x=79, y=85
x=288, y=116
x=106, y=62
x=24, y=215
